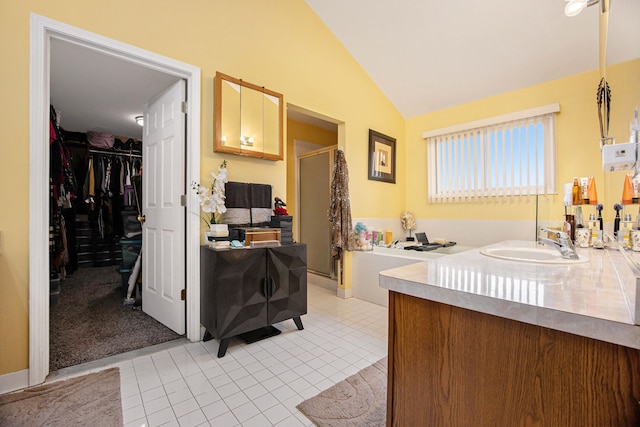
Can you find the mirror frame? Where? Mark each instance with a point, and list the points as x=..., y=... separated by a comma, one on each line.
x=218, y=147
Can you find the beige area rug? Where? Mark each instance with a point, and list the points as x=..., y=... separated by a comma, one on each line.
x=359, y=400
x=90, y=400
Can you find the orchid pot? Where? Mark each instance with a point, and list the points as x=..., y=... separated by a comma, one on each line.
x=218, y=227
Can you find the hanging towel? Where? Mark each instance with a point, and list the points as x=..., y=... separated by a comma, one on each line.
x=237, y=195
x=260, y=204
x=238, y=204
x=260, y=195
x=340, y=208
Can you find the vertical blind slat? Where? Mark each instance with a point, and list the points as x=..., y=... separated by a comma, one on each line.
x=525, y=161
x=452, y=169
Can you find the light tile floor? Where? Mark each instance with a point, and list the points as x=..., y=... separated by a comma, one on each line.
x=185, y=384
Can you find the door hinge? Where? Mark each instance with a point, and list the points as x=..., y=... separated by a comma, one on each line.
x=183, y=200
x=183, y=295
x=184, y=107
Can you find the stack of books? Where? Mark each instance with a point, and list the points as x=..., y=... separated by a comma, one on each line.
x=284, y=223
x=218, y=239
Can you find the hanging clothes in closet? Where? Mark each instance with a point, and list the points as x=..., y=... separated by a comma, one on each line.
x=63, y=194
x=104, y=178
x=108, y=191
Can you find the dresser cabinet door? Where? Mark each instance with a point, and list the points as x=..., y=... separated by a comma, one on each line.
x=233, y=299
x=287, y=282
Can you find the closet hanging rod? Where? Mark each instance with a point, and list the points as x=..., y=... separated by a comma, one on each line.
x=115, y=153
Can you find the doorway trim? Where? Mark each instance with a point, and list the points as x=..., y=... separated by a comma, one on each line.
x=42, y=31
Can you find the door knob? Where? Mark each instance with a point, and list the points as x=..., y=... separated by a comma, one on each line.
x=142, y=218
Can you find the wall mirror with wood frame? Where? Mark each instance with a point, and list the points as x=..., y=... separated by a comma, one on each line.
x=248, y=119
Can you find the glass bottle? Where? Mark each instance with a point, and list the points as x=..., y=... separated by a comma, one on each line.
x=576, y=194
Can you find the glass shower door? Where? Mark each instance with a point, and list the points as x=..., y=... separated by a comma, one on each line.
x=315, y=229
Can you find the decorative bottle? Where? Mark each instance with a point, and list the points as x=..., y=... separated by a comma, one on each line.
x=593, y=193
x=576, y=194
x=570, y=226
x=627, y=191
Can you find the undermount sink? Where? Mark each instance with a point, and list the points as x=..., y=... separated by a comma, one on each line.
x=532, y=255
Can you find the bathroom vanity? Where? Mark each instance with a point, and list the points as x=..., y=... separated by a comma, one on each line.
x=475, y=340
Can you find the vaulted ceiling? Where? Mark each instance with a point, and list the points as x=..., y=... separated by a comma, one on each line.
x=425, y=55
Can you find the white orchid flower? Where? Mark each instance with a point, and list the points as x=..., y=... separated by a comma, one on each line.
x=212, y=200
x=208, y=205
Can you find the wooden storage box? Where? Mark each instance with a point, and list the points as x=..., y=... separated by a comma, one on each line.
x=260, y=234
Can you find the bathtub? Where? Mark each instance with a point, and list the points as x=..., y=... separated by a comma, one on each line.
x=367, y=265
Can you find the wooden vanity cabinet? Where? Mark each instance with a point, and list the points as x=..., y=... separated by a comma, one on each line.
x=458, y=367
x=250, y=289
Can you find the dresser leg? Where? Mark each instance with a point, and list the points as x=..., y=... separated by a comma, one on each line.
x=222, y=350
x=298, y=323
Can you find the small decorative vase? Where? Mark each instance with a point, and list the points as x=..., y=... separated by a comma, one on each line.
x=583, y=237
x=218, y=231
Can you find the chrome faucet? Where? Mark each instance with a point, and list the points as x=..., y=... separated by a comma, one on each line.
x=562, y=244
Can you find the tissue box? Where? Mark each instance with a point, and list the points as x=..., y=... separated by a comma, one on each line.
x=260, y=234
x=618, y=156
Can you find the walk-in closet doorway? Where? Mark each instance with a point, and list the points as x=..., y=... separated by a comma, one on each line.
x=43, y=32
x=95, y=314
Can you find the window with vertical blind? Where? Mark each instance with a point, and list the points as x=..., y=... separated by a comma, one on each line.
x=509, y=155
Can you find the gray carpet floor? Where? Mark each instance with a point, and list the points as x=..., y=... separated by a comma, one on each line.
x=89, y=321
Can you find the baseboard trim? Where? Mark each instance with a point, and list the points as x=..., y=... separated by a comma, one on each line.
x=322, y=281
x=14, y=381
x=344, y=293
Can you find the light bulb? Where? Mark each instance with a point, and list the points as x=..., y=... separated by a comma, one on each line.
x=574, y=7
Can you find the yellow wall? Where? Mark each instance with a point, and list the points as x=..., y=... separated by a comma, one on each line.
x=285, y=47
x=577, y=132
x=281, y=45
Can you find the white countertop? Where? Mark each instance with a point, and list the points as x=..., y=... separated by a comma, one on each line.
x=595, y=299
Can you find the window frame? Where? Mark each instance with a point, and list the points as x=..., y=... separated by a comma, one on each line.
x=481, y=128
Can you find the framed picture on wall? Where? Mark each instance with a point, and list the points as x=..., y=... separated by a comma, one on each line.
x=382, y=157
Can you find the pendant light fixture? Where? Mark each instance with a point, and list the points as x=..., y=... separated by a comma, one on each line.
x=574, y=7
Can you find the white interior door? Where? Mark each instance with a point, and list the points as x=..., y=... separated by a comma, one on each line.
x=163, y=232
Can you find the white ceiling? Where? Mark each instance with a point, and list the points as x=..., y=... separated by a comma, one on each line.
x=93, y=91
x=425, y=55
